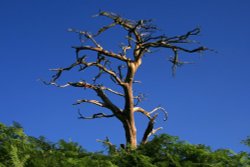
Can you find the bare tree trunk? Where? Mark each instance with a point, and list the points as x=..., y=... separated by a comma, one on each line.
x=140, y=39
x=130, y=133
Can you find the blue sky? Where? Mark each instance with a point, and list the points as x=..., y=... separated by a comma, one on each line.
x=208, y=102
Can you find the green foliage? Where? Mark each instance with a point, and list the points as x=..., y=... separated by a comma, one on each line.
x=166, y=150
x=16, y=160
x=19, y=150
x=14, y=150
x=132, y=158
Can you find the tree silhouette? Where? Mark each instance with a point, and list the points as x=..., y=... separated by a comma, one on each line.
x=121, y=68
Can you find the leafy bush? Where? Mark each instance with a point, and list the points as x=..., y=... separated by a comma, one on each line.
x=19, y=150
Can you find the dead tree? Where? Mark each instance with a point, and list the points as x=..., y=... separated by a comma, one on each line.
x=140, y=40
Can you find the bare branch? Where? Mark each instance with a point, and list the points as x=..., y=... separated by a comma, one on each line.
x=102, y=51
x=154, y=131
x=161, y=109
x=128, y=25
x=83, y=84
x=108, y=103
x=144, y=112
x=161, y=37
x=184, y=37
x=60, y=70
x=95, y=102
x=94, y=116
x=149, y=129
x=87, y=36
x=125, y=48
x=165, y=42
x=139, y=98
x=130, y=39
x=59, y=86
x=175, y=61
x=113, y=91
x=99, y=90
x=107, y=143
x=148, y=114
x=101, y=30
x=120, y=71
x=195, y=50
x=104, y=69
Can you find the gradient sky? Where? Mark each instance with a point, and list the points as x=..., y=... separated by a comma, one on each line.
x=208, y=102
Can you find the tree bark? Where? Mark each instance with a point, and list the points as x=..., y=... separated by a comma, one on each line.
x=129, y=121
x=130, y=133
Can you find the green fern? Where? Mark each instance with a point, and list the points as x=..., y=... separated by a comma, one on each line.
x=16, y=161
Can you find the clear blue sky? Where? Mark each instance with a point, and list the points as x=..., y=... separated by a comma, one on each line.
x=208, y=102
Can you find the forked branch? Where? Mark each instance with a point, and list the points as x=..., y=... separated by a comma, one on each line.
x=149, y=114
x=103, y=68
x=150, y=129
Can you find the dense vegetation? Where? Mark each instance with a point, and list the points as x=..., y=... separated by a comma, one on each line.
x=18, y=150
